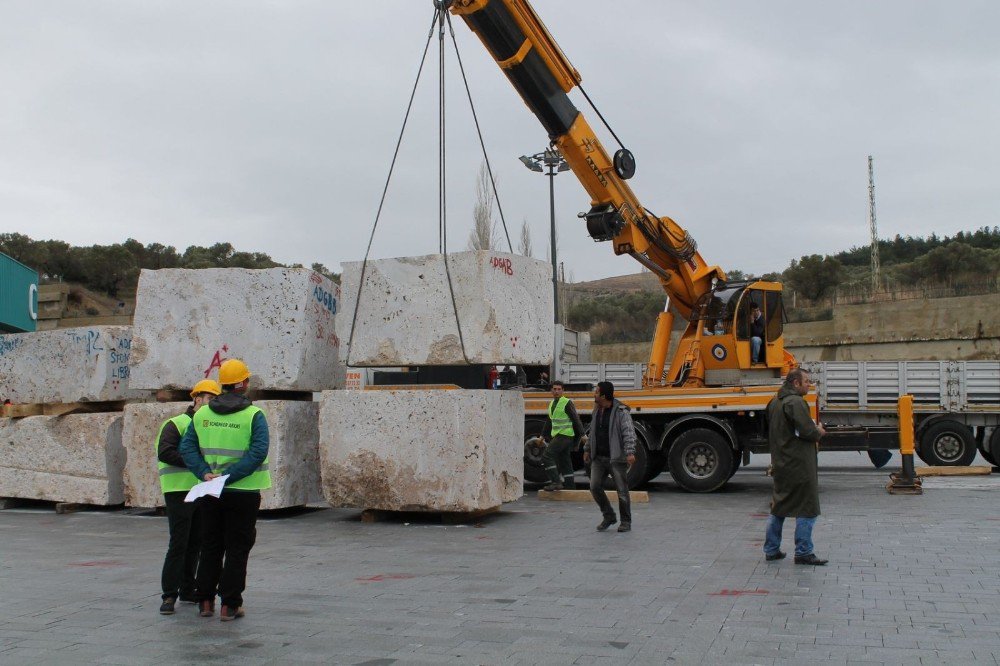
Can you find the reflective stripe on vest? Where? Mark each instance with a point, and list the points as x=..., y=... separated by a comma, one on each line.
x=174, y=479
x=224, y=439
x=562, y=424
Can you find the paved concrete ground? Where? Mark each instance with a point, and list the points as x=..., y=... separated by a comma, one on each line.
x=911, y=580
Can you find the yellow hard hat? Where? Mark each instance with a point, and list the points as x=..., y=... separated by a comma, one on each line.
x=233, y=371
x=206, y=386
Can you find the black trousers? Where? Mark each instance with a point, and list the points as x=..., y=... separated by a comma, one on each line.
x=599, y=470
x=181, y=562
x=229, y=530
x=557, y=460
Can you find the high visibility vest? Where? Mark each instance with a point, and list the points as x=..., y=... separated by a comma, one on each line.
x=224, y=439
x=172, y=478
x=562, y=424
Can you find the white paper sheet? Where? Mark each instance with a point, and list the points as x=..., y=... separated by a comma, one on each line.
x=213, y=488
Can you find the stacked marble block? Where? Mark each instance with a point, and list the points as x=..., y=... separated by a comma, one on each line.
x=280, y=322
x=77, y=458
x=293, y=456
x=421, y=450
x=501, y=312
x=434, y=450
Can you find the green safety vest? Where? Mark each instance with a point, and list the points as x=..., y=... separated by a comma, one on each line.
x=224, y=439
x=174, y=479
x=562, y=424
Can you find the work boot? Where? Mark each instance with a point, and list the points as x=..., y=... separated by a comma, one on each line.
x=552, y=487
x=625, y=527
x=206, y=608
x=569, y=482
x=228, y=613
x=167, y=607
x=606, y=523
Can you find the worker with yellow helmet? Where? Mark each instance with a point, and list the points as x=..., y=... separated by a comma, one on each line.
x=229, y=436
x=183, y=519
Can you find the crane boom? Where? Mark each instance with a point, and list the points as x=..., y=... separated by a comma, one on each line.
x=724, y=333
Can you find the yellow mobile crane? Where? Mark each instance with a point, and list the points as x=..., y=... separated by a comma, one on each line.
x=703, y=414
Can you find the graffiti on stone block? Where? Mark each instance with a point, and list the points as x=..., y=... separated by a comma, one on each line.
x=217, y=359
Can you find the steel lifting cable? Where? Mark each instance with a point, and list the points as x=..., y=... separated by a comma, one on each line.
x=441, y=15
x=385, y=189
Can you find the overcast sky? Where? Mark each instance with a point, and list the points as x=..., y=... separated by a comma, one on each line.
x=271, y=125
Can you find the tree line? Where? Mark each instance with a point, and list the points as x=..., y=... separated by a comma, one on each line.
x=112, y=269
x=965, y=258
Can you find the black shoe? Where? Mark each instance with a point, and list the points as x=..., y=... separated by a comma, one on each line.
x=625, y=527
x=606, y=523
x=228, y=613
x=167, y=607
x=569, y=483
x=774, y=556
x=810, y=559
x=206, y=608
x=552, y=487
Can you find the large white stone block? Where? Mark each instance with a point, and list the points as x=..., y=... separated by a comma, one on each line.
x=76, y=458
x=421, y=450
x=293, y=457
x=280, y=321
x=88, y=364
x=406, y=315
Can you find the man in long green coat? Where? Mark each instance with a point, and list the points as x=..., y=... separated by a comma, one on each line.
x=794, y=441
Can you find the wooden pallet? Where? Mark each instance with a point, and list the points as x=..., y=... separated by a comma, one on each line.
x=940, y=470
x=60, y=507
x=635, y=496
x=61, y=408
x=445, y=517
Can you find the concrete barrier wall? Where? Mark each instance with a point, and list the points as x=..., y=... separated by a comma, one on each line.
x=67, y=365
x=293, y=455
x=407, y=317
x=422, y=450
x=77, y=458
x=280, y=321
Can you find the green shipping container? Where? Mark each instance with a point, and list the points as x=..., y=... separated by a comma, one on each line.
x=18, y=296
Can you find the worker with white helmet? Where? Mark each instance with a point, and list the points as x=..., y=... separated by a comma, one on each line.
x=183, y=519
x=228, y=436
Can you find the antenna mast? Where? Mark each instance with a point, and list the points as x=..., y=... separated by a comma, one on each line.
x=876, y=270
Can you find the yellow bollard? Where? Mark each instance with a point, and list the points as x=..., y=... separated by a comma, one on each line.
x=905, y=482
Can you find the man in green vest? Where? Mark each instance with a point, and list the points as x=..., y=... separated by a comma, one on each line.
x=228, y=436
x=183, y=519
x=561, y=430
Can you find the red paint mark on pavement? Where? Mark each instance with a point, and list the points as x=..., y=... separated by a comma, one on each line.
x=97, y=563
x=736, y=593
x=756, y=543
x=759, y=515
x=378, y=578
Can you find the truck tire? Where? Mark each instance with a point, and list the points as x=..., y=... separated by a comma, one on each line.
x=994, y=447
x=534, y=469
x=657, y=463
x=700, y=460
x=947, y=443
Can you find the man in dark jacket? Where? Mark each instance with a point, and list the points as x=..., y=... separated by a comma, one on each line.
x=756, y=334
x=794, y=440
x=228, y=437
x=183, y=518
x=562, y=429
x=611, y=445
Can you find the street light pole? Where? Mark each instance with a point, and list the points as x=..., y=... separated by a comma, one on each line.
x=553, y=160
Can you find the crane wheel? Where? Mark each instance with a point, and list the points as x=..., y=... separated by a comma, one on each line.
x=701, y=460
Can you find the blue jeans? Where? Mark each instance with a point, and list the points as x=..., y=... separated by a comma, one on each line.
x=803, y=535
x=755, y=345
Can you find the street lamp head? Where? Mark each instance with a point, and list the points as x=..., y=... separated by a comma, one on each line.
x=530, y=163
x=563, y=166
